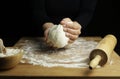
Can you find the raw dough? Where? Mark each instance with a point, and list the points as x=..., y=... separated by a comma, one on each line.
x=56, y=37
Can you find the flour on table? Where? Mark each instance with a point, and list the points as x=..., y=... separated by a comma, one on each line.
x=9, y=52
x=77, y=56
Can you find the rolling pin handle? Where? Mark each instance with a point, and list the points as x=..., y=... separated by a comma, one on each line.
x=95, y=61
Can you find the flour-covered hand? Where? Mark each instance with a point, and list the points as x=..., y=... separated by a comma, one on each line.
x=72, y=29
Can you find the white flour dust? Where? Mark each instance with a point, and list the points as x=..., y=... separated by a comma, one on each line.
x=77, y=56
x=9, y=52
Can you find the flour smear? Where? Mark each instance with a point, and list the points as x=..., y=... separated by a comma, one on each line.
x=76, y=56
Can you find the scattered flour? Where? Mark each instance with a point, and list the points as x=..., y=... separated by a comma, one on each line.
x=77, y=56
x=9, y=52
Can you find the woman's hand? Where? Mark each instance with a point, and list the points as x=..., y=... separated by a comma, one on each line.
x=72, y=29
x=46, y=27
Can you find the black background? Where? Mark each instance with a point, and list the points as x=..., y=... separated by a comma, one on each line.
x=15, y=21
x=106, y=20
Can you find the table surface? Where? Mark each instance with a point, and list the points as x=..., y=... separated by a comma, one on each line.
x=26, y=70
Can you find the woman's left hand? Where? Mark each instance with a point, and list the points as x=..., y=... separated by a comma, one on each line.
x=72, y=29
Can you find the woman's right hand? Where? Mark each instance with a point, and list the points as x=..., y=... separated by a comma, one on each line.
x=71, y=28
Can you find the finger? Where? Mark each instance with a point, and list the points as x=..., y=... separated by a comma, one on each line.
x=71, y=31
x=77, y=25
x=63, y=23
x=65, y=20
x=73, y=25
x=72, y=37
x=46, y=34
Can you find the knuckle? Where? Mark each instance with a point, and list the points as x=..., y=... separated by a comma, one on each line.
x=76, y=36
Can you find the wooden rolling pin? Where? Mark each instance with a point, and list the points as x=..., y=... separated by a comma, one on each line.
x=102, y=53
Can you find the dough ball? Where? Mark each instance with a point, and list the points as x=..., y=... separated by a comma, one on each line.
x=57, y=37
